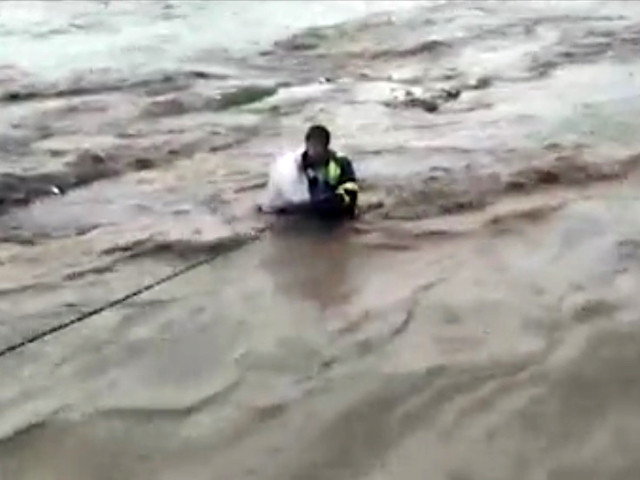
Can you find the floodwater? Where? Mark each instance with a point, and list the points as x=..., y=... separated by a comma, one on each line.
x=478, y=321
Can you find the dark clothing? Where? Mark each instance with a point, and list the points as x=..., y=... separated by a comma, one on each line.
x=333, y=187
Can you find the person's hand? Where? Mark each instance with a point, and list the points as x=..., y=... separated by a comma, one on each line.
x=312, y=178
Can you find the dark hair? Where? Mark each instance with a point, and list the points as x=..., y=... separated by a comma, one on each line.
x=319, y=133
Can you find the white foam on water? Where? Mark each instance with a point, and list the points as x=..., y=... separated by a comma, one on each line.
x=55, y=38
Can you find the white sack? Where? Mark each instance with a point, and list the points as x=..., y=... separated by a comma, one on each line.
x=287, y=183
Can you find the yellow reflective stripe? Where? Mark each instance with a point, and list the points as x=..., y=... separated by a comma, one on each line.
x=345, y=197
x=348, y=186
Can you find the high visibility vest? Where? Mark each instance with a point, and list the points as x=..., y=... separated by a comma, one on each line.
x=331, y=175
x=332, y=172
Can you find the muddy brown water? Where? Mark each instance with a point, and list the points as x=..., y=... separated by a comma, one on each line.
x=480, y=320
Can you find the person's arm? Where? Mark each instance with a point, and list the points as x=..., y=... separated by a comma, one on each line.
x=347, y=189
x=342, y=201
x=327, y=205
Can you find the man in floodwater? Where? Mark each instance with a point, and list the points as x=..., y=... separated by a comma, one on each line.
x=329, y=180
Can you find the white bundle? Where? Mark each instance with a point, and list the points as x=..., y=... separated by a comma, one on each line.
x=287, y=182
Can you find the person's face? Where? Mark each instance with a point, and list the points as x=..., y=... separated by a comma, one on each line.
x=316, y=150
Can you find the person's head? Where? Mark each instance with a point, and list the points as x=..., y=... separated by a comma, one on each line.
x=317, y=142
